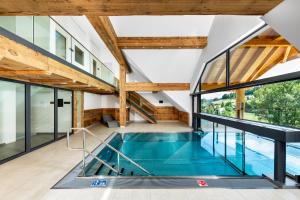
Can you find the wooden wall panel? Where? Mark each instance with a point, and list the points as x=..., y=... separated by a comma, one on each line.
x=183, y=117
x=95, y=115
x=166, y=113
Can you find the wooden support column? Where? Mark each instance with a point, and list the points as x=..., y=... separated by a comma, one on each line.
x=122, y=96
x=78, y=110
x=240, y=103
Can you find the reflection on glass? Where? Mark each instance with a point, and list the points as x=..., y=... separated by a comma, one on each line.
x=61, y=45
x=12, y=119
x=293, y=158
x=259, y=155
x=234, y=148
x=79, y=55
x=219, y=103
x=276, y=103
x=42, y=32
x=220, y=139
x=255, y=60
x=42, y=115
x=19, y=25
x=207, y=138
x=214, y=75
x=64, y=112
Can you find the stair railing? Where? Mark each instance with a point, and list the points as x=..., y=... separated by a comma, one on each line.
x=84, y=150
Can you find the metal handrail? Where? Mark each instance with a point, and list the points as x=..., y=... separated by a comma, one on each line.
x=109, y=146
x=84, y=150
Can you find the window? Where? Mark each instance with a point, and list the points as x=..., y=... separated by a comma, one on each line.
x=79, y=56
x=12, y=119
x=94, y=67
x=219, y=103
x=61, y=45
x=266, y=55
x=214, y=75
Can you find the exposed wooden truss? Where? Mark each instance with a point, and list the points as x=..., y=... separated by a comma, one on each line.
x=137, y=7
x=22, y=63
x=162, y=42
x=250, y=61
x=107, y=33
x=156, y=86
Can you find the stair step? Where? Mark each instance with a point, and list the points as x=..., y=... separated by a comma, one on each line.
x=110, y=171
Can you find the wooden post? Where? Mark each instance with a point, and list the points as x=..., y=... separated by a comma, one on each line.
x=78, y=110
x=240, y=103
x=122, y=96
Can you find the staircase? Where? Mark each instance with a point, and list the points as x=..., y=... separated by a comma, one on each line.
x=140, y=105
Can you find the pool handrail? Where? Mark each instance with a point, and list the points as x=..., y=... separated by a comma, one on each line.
x=85, y=130
x=84, y=150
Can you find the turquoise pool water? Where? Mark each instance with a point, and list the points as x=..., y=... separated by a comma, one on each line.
x=194, y=154
x=163, y=154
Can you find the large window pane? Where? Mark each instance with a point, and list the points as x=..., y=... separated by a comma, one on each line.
x=259, y=155
x=219, y=103
x=42, y=115
x=258, y=58
x=64, y=112
x=214, y=75
x=220, y=139
x=234, y=146
x=42, y=32
x=12, y=119
x=277, y=103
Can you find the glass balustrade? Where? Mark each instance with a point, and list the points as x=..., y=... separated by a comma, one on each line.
x=248, y=152
x=46, y=33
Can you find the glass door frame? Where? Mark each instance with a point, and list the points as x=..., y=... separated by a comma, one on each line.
x=27, y=114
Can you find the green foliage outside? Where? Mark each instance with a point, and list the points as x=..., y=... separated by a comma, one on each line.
x=277, y=103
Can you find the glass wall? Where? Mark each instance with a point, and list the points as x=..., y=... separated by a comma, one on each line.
x=12, y=119
x=255, y=60
x=42, y=115
x=234, y=146
x=207, y=139
x=214, y=75
x=44, y=32
x=259, y=155
x=219, y=139
x=219, y=103
x=64, y=101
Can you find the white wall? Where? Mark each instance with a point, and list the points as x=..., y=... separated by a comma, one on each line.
x=94, y=101
x=225, y=31
x=285, y=19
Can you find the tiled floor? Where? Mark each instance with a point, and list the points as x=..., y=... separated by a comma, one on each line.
x=31, y=176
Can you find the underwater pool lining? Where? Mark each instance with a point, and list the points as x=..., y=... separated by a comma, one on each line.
x=73, y=180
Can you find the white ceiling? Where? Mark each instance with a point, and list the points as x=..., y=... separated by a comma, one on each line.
x=154, y=26
x=166, y=65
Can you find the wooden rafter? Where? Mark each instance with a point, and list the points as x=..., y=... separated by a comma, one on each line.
x=266, y=42
x=107, y=33
x=137, y=7
x=156, y=86
x=162, y=42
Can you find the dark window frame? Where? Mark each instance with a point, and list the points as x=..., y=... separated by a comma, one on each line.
x=27, y=114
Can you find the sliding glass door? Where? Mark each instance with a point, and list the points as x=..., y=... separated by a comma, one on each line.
x=42, y=115
x=64, y=110
x=12, y=119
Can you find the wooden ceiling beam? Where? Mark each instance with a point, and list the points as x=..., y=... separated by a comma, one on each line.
x=137, y=7
x=23, y=72
x=105, y=30
x=266, y=42
x=143, y=86
x=162, y=42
